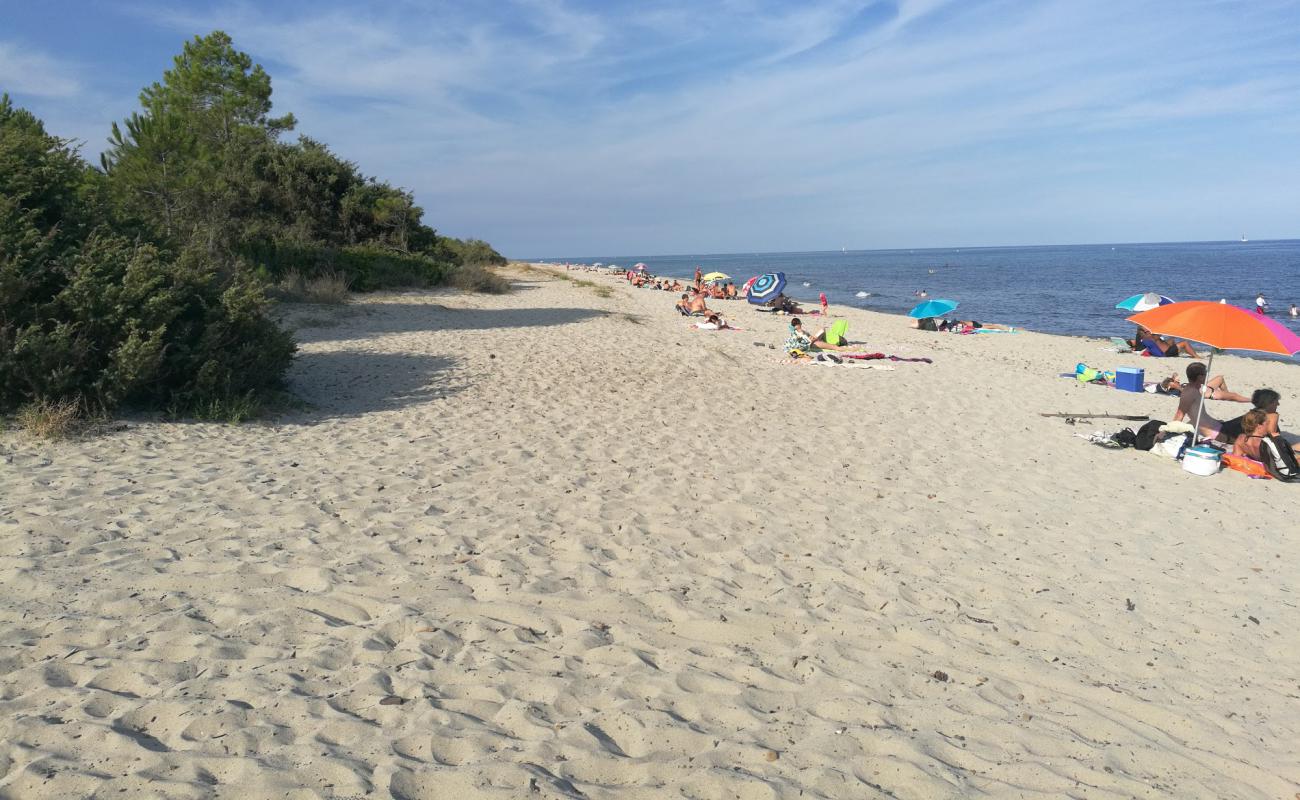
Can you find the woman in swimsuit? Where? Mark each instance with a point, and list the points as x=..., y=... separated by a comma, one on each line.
x=1247, y=444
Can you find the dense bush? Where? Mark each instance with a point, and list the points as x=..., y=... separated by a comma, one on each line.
x=90, y=316
x=144, y=282
x=476, y=251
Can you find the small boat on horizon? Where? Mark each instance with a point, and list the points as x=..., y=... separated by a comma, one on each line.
x=1244, y=239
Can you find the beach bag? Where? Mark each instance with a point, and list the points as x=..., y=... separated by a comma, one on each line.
x=1174, y=447
x=1146, y=435
x=1244, y=465
x=1124, y=438
x=1277, y=457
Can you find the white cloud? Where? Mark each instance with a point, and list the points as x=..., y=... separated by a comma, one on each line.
x=535, y=123
x=29, y=72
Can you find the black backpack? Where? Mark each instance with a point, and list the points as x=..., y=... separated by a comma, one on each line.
x=1278, y=458
x=1146, y=435
x=1124, y=438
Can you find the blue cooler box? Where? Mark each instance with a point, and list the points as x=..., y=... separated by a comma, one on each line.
x=1128, y=379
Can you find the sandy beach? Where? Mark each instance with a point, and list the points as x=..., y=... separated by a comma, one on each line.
x=557, y=544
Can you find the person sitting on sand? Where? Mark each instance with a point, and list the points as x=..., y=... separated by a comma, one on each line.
x=783, y=303
x=817, y=340
x=696, y=305
x=1192, y=397
x=1247, y=443
x=1267, y=401
x=731, y=292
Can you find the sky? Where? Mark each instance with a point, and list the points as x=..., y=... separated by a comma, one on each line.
x=556, y=128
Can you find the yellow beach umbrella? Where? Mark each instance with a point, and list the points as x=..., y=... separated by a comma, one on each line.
x=716, y=276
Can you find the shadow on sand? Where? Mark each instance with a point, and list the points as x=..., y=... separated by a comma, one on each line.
x=380, y=319
x=347, y=383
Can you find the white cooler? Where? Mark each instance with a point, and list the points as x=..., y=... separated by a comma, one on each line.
x=1201, y=460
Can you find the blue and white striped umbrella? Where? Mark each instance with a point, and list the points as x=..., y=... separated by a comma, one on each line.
x=1143, y=302
x=765, y=287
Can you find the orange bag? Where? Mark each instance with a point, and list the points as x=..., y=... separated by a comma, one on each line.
x=1249, y=466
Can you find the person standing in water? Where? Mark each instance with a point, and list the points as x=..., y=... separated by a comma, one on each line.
x=1295, y=312
x=1261, y=305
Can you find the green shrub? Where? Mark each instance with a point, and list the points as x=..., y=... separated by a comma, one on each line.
x=475, y=251
x=371, y=267
x=128, y=325
x=477, y=278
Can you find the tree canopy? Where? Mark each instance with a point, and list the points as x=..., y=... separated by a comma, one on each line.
x=144, y=281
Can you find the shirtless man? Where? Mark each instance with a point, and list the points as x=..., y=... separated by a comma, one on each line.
x=1193, y=396
x=696, y=305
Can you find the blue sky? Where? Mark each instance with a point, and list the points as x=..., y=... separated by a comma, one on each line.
x=557, y=128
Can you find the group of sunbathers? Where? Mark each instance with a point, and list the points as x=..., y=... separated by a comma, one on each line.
x=711, y=291
x=941, y=325
x=1244, y=432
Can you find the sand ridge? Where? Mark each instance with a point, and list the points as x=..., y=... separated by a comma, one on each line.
x=554, y=544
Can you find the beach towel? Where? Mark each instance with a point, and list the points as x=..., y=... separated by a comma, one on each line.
x=1247, y=466
x=1120, y=345
x=882, y=356
x=994, y=330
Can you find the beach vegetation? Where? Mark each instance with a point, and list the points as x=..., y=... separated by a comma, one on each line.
x=147, y=281
x=479, y=278
x=52, y=419
x=326, y=288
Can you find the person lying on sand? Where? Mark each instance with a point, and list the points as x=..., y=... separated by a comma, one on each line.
x=715, y=322
x=964, y=325
x=956, y=325
x=1216, y=388
x=1168, y=345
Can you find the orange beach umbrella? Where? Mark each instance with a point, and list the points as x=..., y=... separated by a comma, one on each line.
x=1222, y=327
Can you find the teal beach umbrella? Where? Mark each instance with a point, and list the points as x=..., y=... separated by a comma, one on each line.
x=932, y=308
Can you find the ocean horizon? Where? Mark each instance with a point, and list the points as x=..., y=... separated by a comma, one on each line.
x=1062, y=289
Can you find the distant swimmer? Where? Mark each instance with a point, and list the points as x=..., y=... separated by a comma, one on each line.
x=1261, y=305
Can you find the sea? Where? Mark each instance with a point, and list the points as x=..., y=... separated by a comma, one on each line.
x=1069, y=289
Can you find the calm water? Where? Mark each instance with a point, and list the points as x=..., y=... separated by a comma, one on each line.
x=1068, y=289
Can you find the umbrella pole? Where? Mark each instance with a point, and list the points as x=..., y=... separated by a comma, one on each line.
x=1200, y=407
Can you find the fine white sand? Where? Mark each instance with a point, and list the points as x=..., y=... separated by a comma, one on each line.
x=554, y=544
